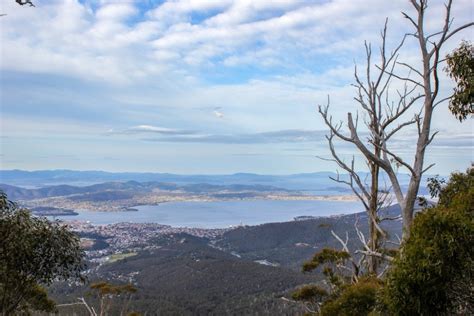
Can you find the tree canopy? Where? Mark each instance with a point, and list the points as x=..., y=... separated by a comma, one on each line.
x=434, y=273
x=33, y=253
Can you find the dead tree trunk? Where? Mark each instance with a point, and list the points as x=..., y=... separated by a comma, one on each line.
x=373, y=217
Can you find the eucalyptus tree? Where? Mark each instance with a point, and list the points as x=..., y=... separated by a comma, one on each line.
x=34, y=252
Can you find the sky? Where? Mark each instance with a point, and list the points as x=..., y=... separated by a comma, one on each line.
x=201, y=86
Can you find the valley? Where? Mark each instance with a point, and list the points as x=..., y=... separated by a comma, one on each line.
x=222, y=271
x=193, y=248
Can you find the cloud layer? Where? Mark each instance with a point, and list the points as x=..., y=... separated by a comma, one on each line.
x=165, y=76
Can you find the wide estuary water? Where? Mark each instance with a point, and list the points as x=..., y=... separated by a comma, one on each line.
x=220, y=214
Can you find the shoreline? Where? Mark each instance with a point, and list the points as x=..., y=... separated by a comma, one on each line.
x=220, y=214
x=132, y=204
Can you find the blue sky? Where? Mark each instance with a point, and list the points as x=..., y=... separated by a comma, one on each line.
x=197, y=86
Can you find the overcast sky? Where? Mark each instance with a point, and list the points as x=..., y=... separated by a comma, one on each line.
x=198, y=86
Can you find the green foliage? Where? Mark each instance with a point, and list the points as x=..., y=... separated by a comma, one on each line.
x=309, y=293
x=33, y=252
x=312, y=296
x=110, y=295
x=331, y=261
x=327, y=255
x=460, y=67
x=392, y=252
x=37, y=300
x=435, y=184
x=356, y=299
x=434, y=273
x=345, y=298
x=105, y=289
x=456, y=193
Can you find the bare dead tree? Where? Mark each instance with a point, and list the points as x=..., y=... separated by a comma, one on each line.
x=371, y=98
x=385, y=113
x=356, y=265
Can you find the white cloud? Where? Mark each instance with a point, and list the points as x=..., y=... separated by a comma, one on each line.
x=116, y=12
x=269, y=63
x=145, y=129
x=131, y=46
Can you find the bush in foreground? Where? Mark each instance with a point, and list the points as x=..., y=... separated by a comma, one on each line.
x=434, y=273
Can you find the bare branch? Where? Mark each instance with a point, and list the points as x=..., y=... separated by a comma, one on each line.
x=352, y=173
x=392, y=218
x=399, y=127
x=91, y=311
x=397, y=159
x=69, y=304
x=375, y=254
x=377, y=226
x=342, y=242
x=355, y=140
x=444, y=32
x=368, y=251
x=359, y=82
x=328, y=120
x=430, y=139
x=433, y=35
x=411, y=68
x=406, y=16
x=457, y=30
x=442, y=100
x=355, y=266
x=325, y=159
x=428, y=168
x=391, y=73
x=402, y=106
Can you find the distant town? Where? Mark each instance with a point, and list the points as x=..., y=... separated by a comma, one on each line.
x=103, y=242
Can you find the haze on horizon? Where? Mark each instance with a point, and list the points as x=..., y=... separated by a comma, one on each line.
x=196, y=86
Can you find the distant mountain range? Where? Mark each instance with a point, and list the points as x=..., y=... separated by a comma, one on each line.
x=125, y=190
x=318, y=181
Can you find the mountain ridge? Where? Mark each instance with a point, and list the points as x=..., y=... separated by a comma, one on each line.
x=316, y=181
